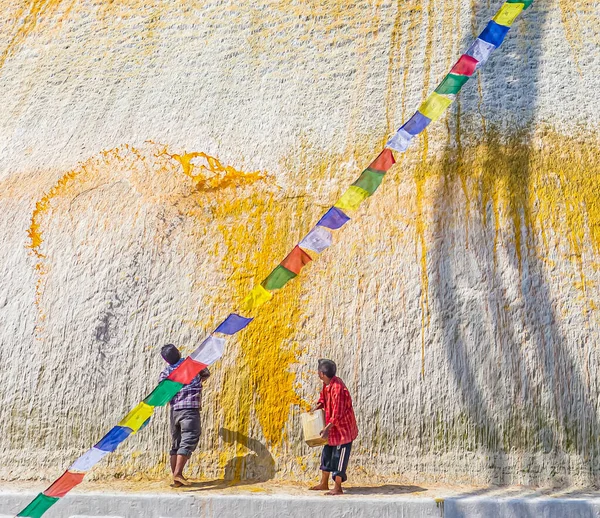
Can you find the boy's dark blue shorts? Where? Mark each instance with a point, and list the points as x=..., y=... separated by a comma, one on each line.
x=334, y=460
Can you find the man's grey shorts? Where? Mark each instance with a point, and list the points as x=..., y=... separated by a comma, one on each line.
x=185, y=431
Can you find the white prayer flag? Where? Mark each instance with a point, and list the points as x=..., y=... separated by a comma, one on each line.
x=480, y=50
x=317, y=240
x=88, y=460
x=209, y=351
x=400, y=141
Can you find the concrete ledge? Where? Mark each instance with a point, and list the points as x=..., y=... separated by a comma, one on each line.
x=121, y=505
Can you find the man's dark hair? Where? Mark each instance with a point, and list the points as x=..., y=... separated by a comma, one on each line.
x=327, y=367
x=170, y=354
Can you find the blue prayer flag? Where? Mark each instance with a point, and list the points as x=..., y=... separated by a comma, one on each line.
x=113, y=438
x=232, y=324
x=417, y=123
x=494, y=33
x=334, y=218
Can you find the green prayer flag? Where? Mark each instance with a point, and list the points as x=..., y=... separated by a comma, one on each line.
x=277, y=278
x=451, y=84
x=38, y=506
x=163, y=393
x=526, y=3
x=369, y=180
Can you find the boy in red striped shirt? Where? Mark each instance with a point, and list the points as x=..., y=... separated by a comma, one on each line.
x=340, y=428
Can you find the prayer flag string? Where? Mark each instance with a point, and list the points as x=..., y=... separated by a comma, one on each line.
x=315, y=242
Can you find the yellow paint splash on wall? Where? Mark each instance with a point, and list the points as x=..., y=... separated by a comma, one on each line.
x=26, y=20
x=542, y=185
x=209, y=174
x=261, y=381
x=581, y=22
x=35, y=232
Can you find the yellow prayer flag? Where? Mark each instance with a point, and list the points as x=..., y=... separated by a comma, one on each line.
x=256, y=298
x=508, y=14
x=435, y=106
x=137, y=417
x=352, y=198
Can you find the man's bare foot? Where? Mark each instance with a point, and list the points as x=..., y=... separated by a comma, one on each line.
x=181, y=480
x=176, y=483
x=335, y=492
x=319, y=487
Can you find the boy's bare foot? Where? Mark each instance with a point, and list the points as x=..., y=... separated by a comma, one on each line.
x=181, y=480
x=176, y=483
x=335, y=491
x=319, y=487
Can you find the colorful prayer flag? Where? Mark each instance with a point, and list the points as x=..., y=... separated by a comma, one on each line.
x=317, y=240
x=137, y=416
x=163, y=393
x=435, y=106
x=209, y=351
x=369, y=180
x=278, y=278
x=296, y=260
x=38, y=506
x=494, y=33
x=233, y=324
x=451, y=84
x=88, y=460
x=186, y=371
x=64, y=484
x=256, y=298
x=334, y=218
x=399, y=141
x=416, y=124
x=113, y=438
x=508, y=13
x=383, y=162
x=352, y=198
x=481, y=51
x=466, y=66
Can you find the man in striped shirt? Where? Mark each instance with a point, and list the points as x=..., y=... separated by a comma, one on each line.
x=340, y=428
x=184, y=414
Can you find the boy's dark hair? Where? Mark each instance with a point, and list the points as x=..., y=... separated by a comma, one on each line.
x=170, y=354
x=327, y=367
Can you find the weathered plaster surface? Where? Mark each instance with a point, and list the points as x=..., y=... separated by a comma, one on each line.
x=159, y=158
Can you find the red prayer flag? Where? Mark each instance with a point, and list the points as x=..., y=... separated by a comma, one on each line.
x=64, y=484
x=465, y=66
x=384, y=161
x=187, y=371
x=296, y=259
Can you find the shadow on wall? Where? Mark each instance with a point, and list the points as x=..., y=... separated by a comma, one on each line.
x=549, y=410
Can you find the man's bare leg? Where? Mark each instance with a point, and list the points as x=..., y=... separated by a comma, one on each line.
x=337, y=488
x=324, y=484
x=180, y=462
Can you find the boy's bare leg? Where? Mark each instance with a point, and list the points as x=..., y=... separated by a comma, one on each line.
x=180, y=462
x=324, y=484
x=337, y=488
x=175, y=483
